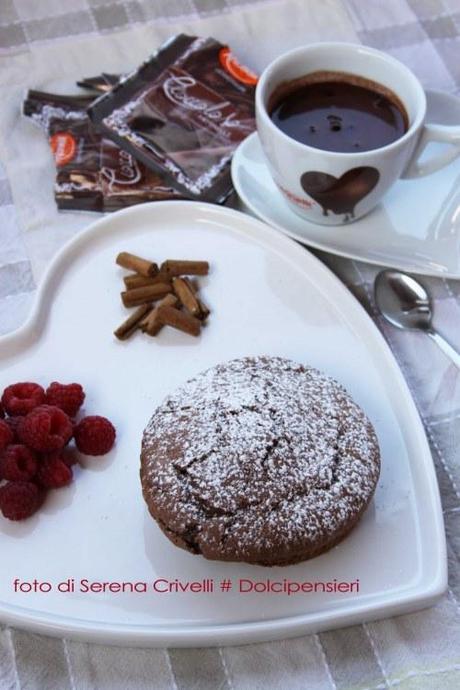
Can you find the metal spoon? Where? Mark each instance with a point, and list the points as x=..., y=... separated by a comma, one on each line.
x=405, y=303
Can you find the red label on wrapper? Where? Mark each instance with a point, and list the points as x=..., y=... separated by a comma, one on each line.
x=233, y=67
x=63, y=145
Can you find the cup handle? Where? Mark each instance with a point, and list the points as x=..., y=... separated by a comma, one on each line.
x=442, y=134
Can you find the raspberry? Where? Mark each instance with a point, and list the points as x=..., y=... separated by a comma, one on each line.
x=94, y=435
x=18, y=464
x=69, y=456
x=22, y=398
x=47, y=428
x=54, y=473
x=2, y=411
x=19, y=500
x=69, y=397
x=6, y=435
x=13, y=423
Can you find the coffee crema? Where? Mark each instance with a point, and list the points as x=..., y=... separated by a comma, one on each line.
x=336, y=111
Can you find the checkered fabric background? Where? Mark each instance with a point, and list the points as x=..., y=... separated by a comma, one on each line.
x=24, y=21
x=412, y=652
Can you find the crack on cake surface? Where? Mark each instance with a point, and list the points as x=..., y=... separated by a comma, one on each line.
x=270, y=452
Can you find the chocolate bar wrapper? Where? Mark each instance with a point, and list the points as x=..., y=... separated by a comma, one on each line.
x=40, y=106
x=93, y=174
x=75, y=146
x=183, y=113
x=125, y=181
x=101, y=83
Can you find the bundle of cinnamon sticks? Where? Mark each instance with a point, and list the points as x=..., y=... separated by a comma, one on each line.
x=163, y=296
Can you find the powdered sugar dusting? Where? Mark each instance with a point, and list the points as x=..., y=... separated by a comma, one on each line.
x=258, y=459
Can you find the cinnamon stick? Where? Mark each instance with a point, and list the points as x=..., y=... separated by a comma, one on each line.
x=186, y=295
x=192, y=284
x=135, y=280
x=142, y=295
x=179, y=267
x=152, y=324
x=137, y=264
x=127, y=328
x=204, y=310
x=180, y=320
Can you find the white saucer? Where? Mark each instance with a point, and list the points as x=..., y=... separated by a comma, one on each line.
x=416, y=228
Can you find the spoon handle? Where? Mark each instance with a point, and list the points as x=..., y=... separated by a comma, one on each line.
x=445, y=347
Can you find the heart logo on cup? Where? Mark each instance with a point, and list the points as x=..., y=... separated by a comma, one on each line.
x=340, y=194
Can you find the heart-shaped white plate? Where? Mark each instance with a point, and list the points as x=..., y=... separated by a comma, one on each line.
x=267, y=295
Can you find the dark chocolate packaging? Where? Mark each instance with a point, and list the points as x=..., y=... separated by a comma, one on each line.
x=101, y=83
x=183, y=113
x=92, y=172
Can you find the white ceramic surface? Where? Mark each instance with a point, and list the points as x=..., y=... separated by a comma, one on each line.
x=416, y=227
x=267, y=295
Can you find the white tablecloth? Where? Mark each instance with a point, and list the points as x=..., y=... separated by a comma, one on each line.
x=50, y=43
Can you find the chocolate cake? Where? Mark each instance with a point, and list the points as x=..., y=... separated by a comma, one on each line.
x=260, y=460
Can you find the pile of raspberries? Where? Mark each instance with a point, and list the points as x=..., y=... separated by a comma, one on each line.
x=36, y=427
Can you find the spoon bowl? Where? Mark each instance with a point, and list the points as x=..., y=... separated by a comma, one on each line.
x=405, y=303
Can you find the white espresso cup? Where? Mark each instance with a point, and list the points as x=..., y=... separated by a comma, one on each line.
x=331, y=187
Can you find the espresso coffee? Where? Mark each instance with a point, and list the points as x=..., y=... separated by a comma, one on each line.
x=334, y=111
